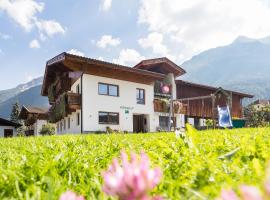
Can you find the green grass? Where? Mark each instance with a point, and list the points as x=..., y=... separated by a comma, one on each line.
x=44, y=167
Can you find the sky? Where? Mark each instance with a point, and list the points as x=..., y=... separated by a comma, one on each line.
x=119, y=31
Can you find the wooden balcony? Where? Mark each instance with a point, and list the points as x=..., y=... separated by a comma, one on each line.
x=59, y=87
x=67, y=103
x=161, y=105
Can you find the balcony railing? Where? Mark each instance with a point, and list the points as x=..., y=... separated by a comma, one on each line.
x=58, y=87
x=163, y=105
x=67, y=103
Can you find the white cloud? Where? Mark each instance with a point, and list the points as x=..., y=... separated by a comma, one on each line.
x=76, y=52
x=108, y=40
x=1, y=52
x=50, y=27
x=5, y=36
x=197, y=25
x=34, y=44
x=106, y=5
x=24, y=13
x=128, y=56
x=155, y=42
x=101, y=58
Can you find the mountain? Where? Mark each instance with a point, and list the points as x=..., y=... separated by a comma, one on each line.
x=26, y=94
x=243, y=66
x=6, y=94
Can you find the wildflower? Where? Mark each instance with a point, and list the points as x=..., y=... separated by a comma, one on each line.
x=228, y=195
x=131, y=180
x=69, y=195
x=250, y=193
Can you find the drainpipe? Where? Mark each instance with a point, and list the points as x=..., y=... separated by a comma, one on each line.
x=82, y=103
x=172, y=82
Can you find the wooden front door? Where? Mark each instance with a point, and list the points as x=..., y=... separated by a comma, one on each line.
x=138, y=123
x=8, y=132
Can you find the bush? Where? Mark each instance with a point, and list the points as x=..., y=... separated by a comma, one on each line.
x=257, y=117
x=47, y=129
x=109, y=130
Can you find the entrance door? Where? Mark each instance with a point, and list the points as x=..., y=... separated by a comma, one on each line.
x=8, y=132
x=138, y=123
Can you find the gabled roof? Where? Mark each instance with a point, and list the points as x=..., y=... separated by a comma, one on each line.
x=5, y=122
x=214, y=89
x=65, y=62
x=42, y=112
x=161, y=65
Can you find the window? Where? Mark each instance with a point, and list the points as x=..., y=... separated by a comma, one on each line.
x=140, y=95
x=69, y=123
x=108, y=89
x=78, y=89
x=78, y=119
x=64, y=124
x=164, y=121
x=108, y=118
x=61, y=126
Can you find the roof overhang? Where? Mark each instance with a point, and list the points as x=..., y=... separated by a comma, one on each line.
x=4, y=122
x=214, y=89
x=40, y=113
x=161, y=65
x=68, y=63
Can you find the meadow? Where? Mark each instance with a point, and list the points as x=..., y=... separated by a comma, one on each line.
x=45, y=167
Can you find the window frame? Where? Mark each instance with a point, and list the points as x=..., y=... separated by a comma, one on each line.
x=108, y=115
x=140, y=89
x=68, y=122
x=78, y=119
x=108, y=91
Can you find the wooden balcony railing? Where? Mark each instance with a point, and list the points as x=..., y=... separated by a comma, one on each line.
x=69, y=102
x=162, y=105
x=57, y=88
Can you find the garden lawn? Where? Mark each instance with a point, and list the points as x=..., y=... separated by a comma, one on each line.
x=45, y=167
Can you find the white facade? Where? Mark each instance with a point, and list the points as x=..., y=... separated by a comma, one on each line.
x=125, y=104
x=3, y=128
x=38, y=126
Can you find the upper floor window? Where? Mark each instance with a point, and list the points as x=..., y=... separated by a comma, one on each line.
x=140, y=95
x=108, y=89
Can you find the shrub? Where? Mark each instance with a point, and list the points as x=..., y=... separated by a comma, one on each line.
x=257, y=117
x=47, y=129
x=109, y=130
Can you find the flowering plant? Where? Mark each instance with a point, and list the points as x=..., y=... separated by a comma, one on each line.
x=69, y=195
x=248, y=192
x=131, y=180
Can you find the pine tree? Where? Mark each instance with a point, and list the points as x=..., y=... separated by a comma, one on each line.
x=14, y=116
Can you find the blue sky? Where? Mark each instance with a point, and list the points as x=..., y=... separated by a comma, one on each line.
x=121, y=31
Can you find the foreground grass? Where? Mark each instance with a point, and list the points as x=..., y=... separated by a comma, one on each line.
x=44, y=167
